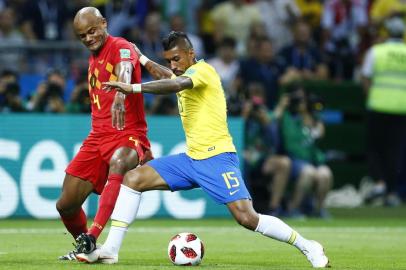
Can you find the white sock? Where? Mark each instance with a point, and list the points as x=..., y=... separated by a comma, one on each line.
x=277, y=229
x=124, y=213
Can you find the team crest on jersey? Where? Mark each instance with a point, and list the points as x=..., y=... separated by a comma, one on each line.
x=92, y=81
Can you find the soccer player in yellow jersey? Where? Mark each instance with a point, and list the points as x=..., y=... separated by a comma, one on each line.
x=210, y=162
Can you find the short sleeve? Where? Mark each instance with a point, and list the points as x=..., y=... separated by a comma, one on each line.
x=123, y=51
x=196, y=75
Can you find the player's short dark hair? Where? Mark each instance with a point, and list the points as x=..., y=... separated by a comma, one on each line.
x=174, y=39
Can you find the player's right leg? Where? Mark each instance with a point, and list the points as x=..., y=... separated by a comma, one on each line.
x=170, y=172
x=69, y=205
x=275, y=228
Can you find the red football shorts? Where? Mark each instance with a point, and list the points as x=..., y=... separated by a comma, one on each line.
x=92, y=161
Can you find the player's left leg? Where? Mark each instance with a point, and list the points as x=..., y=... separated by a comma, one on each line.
x=273, y=227
x=123, y=160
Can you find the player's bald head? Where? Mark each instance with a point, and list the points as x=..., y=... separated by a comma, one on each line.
x=87, y=15
x=91, y=28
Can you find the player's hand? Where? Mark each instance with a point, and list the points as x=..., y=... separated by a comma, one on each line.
x=118, y=112
x=124, y=88
x=137, y=50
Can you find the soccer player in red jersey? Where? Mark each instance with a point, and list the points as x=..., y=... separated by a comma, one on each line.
x=117, y=141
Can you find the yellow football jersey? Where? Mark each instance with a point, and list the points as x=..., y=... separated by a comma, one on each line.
x=203, y=112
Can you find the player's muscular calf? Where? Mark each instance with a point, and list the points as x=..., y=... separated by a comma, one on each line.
x=69, y=205
x=74, y=193
x=244, y=213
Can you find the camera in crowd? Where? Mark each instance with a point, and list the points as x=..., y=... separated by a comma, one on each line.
x=53, y=90
x=300, y=99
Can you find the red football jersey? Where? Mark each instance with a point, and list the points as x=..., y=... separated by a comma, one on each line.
x=101, y=69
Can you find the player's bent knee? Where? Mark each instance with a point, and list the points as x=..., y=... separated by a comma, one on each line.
x=132, y=180
x=118, y=165
x=65, y=209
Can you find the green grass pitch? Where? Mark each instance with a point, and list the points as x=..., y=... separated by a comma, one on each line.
x=366, y=238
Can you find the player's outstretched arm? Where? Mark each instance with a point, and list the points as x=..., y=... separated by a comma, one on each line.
x=156, y=70
x=160, y=87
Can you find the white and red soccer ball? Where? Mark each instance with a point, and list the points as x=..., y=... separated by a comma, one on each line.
x=185, y=249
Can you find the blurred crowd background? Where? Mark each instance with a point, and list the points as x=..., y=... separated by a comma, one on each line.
x=291, y=68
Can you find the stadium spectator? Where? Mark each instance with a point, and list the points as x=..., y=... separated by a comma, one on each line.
x=262, y=68
x=117, y=141
x=12, y=100
x=48, y=96
x=265, y=165
x=150, y=39
x=44, y=20
x=383, y=9
x=234, y=18
x=310, y=11
x=210, y=161
x=301, y=128
x=121, y=15
x=226, y=63
x=80, y=99
x=278, y=17
x=302, y=59
x=206, y=27
x=10, y=36
x=9, y=92
x=343, y=22
x=384, y=73
x=7, y=76
x=177, y=23
x=187, y=10
x=380, y=11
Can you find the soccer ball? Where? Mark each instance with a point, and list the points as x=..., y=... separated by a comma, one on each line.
x=185, y=249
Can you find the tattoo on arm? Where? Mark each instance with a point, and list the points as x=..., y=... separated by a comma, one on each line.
x=167, y=86
x=158, y=71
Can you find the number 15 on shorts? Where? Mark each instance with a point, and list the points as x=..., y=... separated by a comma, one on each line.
x=231, y=181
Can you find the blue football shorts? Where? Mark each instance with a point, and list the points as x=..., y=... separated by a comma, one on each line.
x=219, y=176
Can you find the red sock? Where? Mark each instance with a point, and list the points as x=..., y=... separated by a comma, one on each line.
x=75, y=224
x=108, y=199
